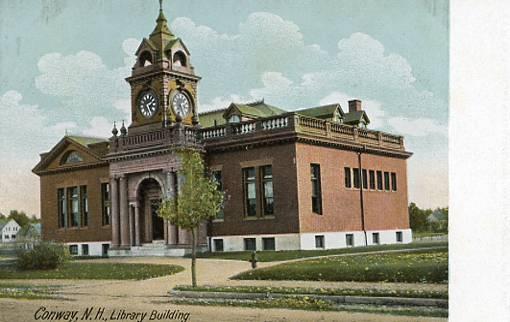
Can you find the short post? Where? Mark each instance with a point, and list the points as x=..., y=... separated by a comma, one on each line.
x=254, y=259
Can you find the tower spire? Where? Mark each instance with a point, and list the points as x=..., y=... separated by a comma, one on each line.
x=160, y=5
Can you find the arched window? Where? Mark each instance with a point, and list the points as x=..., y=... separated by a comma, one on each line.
x=71, y=157
x=179, y=59
x=234, y=119
x=145, y=59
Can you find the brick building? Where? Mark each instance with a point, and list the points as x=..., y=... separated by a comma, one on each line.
x=306, y=179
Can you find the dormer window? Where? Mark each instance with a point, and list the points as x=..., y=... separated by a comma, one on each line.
x=337, y=118
x=72, y=157
x=179, y=59
x=145, y=59
x=234, y=119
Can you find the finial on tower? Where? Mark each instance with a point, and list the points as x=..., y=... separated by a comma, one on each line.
x=160, y=5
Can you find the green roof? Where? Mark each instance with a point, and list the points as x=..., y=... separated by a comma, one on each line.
x=354, y=117
x=325, y=111
x=207, y=118
x=86, y=140
x=258, y=109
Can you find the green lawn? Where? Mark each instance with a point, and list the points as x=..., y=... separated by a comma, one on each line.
x=368, y=291
x=84, y=270
x=409, y=267
x=271, y=256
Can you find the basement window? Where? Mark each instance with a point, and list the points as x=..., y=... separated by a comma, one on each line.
x=250, y=244
x=319, y=241
x=218, y=245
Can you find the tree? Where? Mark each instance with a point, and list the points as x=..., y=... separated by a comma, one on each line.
x=20, y=217
x=418, y=217
x=198, y=200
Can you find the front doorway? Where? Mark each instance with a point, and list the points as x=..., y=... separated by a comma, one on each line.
x=149, y=196
x=158, y=232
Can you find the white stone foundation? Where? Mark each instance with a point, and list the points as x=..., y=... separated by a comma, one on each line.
x=306, y=241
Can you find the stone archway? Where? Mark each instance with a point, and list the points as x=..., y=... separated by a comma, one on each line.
x=149, y=195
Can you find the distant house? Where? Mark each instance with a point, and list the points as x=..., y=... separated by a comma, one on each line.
x=9, y=231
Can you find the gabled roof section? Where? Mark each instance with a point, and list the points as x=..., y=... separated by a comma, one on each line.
x=254, y=110
x=174, y=41
x=322, y=112
x=93, y=147
x=356, y=117
x=145, y=43
x=212, y=118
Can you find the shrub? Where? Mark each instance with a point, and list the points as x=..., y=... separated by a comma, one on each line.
x=44, y=255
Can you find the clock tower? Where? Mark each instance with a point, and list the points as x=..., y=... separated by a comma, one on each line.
x=163, y=82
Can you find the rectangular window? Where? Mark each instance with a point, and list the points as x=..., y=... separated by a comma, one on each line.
x=250, y=192
x=85, y=249
x=218, y=179
x=268, y=243
x=375, y=238
x=73, y=249
x=399, y=237
x=379, y=180
x=319, y=241
x=393, y=181
x=250, y=244
x=267, y=190
x=74, y=206
x=106, y=203
x=105, y=248
x=61, y=196
x=84, y=206
x=387, y=181
x=349, y=240
x=371, y=175
x=357, y=179
x=365, y=179
x=347, y=176
x=315, y=173
x=218, y=245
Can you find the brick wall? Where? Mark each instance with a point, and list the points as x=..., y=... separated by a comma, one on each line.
x=284, y=184
x=92, y=178
x=341, y=206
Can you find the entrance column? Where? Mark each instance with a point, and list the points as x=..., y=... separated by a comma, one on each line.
x=131, y=224
x=137, y=224
x=115, y=211
x=124, y=213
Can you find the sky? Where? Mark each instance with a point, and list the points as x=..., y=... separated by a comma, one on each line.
x=63, y=64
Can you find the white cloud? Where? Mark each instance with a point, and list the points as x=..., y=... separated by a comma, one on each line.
x=25, y=131
x=417, y=127
x=84, y=83
x=99, y=126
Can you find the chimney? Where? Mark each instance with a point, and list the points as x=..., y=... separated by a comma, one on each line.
x=354, y=106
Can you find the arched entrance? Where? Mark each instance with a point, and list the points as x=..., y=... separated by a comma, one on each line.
x=149, y=196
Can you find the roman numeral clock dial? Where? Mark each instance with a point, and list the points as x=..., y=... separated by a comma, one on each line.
x=181, y=104
x=148, y=104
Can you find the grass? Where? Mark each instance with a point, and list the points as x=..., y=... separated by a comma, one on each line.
x=271, y=256
x=29, y=292
x=311, y=304
x=427, y=266
x=373, y=292
x=421, y=234
x=100, y=271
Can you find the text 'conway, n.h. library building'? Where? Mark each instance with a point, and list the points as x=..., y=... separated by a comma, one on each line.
x=307, y=179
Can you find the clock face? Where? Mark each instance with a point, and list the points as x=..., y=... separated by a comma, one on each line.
x=181, y=105
x=148, y=104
